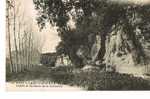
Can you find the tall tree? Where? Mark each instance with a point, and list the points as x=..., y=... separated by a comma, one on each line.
x=9, y=6
x=92, y=16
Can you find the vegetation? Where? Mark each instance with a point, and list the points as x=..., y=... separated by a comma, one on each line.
x=99, y=80
x=24, y=50
x=95, y=23
x=97, y=17
x=89, y=80
x=48, y=59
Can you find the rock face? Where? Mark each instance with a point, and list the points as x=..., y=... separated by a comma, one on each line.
x=118, y=56
x=88, y=68
x=117, y=49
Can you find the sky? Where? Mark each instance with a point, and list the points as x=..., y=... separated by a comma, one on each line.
x=48, y=35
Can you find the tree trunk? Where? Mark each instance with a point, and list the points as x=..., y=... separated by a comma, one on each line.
x=29, y=51
x=19, y=47
x=78, y=62
x=15, y=40
x=9, y=41
x=102, y=50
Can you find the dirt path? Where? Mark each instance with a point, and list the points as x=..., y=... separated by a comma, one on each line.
x=37, y=80
x=40, y=87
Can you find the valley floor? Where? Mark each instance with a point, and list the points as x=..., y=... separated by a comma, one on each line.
x=68, y=78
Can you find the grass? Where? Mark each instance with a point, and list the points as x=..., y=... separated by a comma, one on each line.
x=89, y=80
x=100, y=80
x=37, y=72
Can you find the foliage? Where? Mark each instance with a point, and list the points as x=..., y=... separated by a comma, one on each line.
x=48, y=59
x=38, y=72
x=99, y=80
x=93, y=17
x=89, y=80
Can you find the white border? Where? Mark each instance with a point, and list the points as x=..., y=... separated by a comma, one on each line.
x=54, y=95
x=2, y=45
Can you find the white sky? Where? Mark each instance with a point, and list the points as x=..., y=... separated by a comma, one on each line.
x=48, y=34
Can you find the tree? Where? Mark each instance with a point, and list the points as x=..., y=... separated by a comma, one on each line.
x=92, y=16
x=9, y=6
x=24, y=46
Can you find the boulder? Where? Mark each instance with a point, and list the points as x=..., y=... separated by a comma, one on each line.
x=90, y=68
x=110, y=68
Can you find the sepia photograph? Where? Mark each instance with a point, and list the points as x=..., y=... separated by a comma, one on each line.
x=77, y=45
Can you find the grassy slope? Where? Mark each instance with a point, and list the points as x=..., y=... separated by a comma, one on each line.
x=90, y=80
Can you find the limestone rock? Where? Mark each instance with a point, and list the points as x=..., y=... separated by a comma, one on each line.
x=90, y=68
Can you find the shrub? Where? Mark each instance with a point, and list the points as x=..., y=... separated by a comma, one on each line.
x=100, y=80
x=90, y=80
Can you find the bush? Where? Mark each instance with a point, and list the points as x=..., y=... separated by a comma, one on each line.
x=67, y=69
x=62, y=74
x=90, y=80
x=100, y=80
